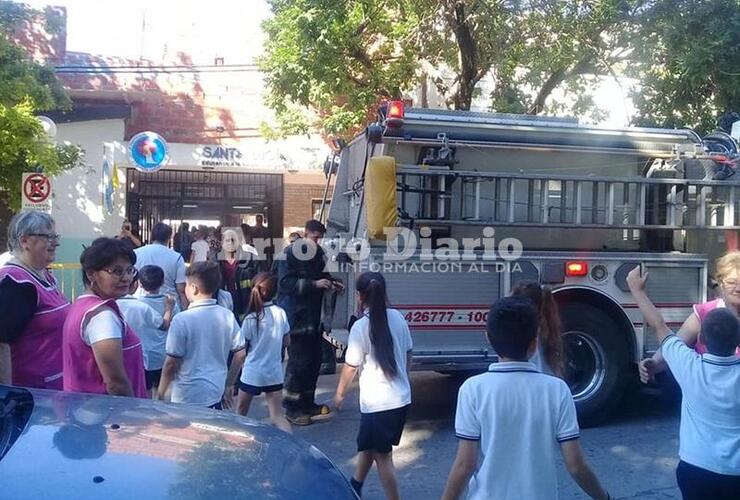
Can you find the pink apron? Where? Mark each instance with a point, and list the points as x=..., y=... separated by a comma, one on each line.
x=701, y=311
x=37, y=354
x=81, y=372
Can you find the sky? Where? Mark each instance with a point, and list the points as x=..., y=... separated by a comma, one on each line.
x=155, y=29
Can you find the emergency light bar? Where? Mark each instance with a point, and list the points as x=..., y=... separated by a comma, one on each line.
x=395, y=114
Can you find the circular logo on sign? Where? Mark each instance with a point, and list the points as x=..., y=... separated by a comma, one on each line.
x=37, y=188
x=148, y=151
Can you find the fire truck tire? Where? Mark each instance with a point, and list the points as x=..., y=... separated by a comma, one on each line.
x=597, y=361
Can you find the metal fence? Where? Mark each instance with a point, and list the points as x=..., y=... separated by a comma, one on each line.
x=69, y=279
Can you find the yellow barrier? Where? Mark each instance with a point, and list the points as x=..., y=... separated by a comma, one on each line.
x=68, y=278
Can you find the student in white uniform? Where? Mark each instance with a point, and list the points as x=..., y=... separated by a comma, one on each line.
x=198, y=346
x=709, y=434
x=548, y=358
x=150, y=322
x=199, y=248
x=265, y=329
x=510, y=420
x=379, y=347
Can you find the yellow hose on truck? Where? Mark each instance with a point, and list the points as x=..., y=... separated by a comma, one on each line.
x=380, y=195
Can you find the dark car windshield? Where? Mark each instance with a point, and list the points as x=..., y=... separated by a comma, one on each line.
x=16, y=406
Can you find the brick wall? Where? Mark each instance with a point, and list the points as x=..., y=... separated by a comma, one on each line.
x=44, y=35
x=300, y=190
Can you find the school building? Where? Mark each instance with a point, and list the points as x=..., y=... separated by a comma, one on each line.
x=208, y=111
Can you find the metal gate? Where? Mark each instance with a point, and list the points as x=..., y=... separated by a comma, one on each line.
x=178, y=195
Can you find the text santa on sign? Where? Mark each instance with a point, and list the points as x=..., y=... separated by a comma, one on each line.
x=36, y=192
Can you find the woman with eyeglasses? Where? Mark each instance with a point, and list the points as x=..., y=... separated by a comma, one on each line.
x=32, y=307
x=728, y=276
x=102, y=354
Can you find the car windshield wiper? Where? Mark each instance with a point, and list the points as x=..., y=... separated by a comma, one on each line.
x=16, y=406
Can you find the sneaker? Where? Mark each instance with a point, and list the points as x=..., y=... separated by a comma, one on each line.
x=300, y=419
x=357, y=486
x=319, y=412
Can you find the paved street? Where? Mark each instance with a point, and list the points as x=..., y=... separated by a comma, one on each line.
x=634, y=455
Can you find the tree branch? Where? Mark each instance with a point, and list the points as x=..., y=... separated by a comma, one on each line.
x=555, y=79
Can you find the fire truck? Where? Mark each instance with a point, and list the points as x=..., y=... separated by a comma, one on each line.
x=456, y=207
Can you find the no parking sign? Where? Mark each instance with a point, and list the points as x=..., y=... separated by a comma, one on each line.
x=36, y=192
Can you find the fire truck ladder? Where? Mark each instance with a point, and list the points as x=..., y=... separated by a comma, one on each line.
x=437, y=195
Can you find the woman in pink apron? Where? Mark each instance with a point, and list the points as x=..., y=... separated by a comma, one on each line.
x=32, y=307
x=728, y=276
x=101, y=353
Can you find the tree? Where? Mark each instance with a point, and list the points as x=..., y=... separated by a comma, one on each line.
x=336, y=58
x=26, y=88
x=689, y=63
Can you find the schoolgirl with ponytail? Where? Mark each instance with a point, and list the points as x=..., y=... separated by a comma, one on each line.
x=549, y=355
x=265, y=329
x=379, y=347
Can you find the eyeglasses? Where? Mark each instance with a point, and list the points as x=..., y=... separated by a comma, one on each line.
x=120, y=272
x=730, y=283
x=50, y=237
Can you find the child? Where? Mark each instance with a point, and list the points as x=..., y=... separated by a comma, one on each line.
x=151, y=327
x=548, y=358
x=265, y=331
x=379, y=346
x=709, y=435
x=513, y=417
x=199, y=248
x=198, y=345
x=153, y=340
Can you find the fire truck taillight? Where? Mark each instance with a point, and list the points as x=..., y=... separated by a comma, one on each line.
x=577, y=268
x=395, y=115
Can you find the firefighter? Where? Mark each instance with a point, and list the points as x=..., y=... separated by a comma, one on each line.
x=301, y=286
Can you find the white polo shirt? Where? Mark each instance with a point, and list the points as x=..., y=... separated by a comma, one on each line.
x=200, y=250
x=263, y=366
x=170, y=261
x=145, y=317
x=709, y=435
x=202, y=337
x=378, y=392
x=520, y=416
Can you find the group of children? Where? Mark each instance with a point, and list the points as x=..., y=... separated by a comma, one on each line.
x=195, y=356
x=509, y=421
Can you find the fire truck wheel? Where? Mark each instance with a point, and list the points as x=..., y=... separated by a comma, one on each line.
x=597, y=361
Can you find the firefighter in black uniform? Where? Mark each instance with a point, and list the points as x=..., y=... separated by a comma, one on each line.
x=301, y=286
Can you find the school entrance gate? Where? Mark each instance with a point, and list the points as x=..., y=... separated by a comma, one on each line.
x=181, y=195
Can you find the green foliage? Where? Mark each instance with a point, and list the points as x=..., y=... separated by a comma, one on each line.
x=27, y=88
x=689, y=63
x=337, y=58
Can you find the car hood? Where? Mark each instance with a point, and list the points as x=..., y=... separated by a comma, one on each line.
x=89, y=446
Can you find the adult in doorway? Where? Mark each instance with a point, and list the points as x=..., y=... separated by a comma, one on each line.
x=237, y=270
x=102, y=354
x=32, y=307
x=261, y=238
x=728, y=276
x=301, y=285
x=127, y=234
x=157, y=253
x=182, y=241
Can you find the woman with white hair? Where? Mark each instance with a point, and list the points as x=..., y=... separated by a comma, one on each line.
x=727, y=275
x=32, y=307
x=238, y=268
